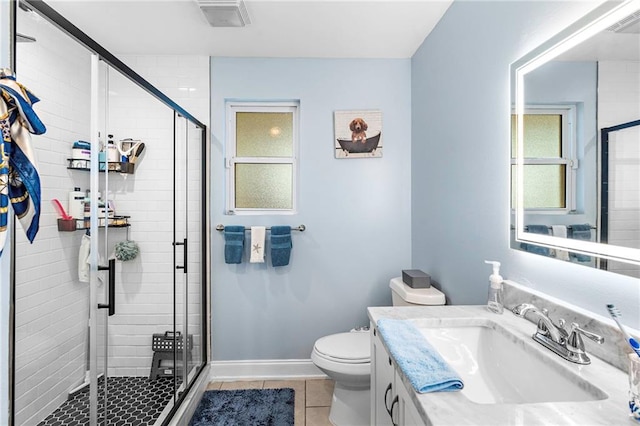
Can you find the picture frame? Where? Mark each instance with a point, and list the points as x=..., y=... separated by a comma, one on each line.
x=358, y=134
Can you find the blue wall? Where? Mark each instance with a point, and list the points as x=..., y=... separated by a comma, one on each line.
x=357, y=211
x=460, y=157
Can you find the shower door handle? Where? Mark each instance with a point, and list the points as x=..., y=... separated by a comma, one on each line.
x=111, y=306
x=184, y=255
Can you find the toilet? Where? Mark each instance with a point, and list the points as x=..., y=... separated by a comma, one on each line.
x=346, y=359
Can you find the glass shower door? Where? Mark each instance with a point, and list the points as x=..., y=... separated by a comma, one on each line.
x=195, y=230
x=102, y=266
x=51, y=352
x=188, y=246
x=182, y=349
x=136, y=336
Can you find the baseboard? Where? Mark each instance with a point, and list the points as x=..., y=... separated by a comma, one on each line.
x=286, y=369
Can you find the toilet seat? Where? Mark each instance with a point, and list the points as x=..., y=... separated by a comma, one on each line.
x=347, y=348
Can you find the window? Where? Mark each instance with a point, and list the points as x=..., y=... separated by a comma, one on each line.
x=262, y=145
x=549, y=158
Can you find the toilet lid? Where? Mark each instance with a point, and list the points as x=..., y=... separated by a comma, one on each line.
x=347, y=347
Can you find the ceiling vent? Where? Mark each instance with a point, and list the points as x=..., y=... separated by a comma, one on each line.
x=225, y=13
x=629, y=25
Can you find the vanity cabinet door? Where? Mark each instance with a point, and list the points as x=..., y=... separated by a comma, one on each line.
x=407, y=412
x=382, y=382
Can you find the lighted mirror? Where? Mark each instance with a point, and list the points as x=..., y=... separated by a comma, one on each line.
x=575, y=128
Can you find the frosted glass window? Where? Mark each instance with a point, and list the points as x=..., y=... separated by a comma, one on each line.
x=542, y=135
x=264, y=186
x=549, y=179
x=264, y=134
x=544, y=186
x=262, y=143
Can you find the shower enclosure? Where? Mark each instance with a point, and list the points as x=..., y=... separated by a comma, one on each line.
x=619, y=189
x=110, y=307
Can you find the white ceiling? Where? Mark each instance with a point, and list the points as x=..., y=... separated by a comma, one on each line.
x=293, y=28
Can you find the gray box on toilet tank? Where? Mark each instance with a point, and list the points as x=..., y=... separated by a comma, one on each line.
x=415, y=278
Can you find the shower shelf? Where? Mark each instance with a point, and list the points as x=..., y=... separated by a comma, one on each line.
x=78, y=224
x=116, y=167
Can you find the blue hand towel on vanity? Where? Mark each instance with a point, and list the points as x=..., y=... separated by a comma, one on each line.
x=533, y=248
x=280, y=245
x=418, y=360
x=234, y=244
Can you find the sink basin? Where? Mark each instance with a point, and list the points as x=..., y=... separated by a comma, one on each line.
x=497, y=367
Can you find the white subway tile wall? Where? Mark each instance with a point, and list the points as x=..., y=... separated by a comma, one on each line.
x=51, y=304
x=618, y=95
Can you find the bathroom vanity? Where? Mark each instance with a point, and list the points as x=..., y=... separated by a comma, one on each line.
x=390, y=400
x=509, y=378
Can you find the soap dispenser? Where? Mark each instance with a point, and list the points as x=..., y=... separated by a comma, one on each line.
x=494, y=302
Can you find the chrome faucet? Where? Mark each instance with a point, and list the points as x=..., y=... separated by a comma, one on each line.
x=576, y=346
x=545, y=326
x=555, y=337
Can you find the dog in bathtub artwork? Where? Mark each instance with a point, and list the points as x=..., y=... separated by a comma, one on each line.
x=358, y=134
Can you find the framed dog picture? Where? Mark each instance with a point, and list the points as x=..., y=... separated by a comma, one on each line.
x=358, y=134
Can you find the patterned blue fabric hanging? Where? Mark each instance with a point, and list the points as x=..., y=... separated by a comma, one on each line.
x=19, y=179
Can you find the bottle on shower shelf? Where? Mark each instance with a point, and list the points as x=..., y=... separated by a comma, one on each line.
x=76, y=203
x=113, y=156
x=87, y=210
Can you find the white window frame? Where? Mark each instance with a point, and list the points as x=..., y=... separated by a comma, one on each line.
x=231, y=159
x=569, y=158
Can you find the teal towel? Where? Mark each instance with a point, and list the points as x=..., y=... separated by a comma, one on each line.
x=579, y=232
x=234, y=244
x=533, y=248
x=280, y=245
x=418, y=360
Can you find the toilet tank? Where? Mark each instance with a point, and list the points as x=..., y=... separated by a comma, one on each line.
x=403, y=295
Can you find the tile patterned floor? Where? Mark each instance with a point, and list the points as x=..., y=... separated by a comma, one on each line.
x=313, y=397
x=132, y=401
x=139, y=401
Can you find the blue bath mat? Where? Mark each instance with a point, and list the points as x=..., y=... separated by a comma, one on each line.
x=255, y=407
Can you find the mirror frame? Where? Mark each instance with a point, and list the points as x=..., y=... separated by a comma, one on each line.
x=594, y=22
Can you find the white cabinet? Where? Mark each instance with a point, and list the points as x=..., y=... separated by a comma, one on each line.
x=391, y=404
x=407, y=412
x=382, y=378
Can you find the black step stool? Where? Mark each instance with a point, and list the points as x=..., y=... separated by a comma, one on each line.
x=162, y=345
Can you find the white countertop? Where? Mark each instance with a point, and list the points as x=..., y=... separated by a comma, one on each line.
x=453, y=408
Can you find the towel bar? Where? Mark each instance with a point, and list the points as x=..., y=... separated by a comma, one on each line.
x=301, y=228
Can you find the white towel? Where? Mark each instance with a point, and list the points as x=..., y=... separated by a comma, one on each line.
x=257, y=244
x=84, y=262
x=561, y=232
x=83, y=259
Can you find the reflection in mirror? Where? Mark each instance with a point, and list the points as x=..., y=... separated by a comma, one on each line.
x=576, y=143
x=620, y=186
